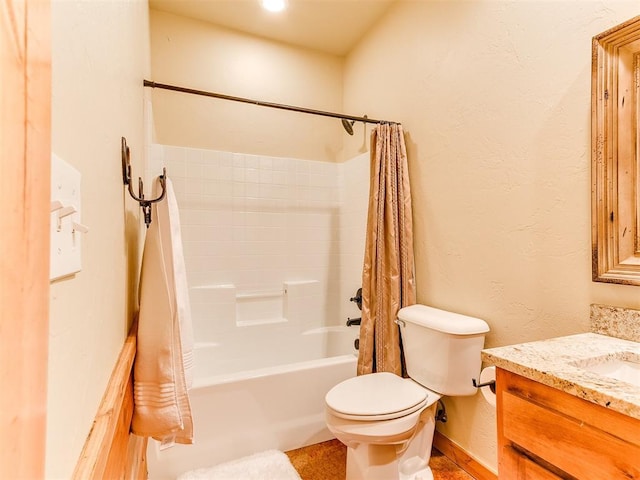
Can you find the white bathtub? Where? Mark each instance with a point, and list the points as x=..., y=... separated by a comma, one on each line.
x=265, y=346
x=276, y=407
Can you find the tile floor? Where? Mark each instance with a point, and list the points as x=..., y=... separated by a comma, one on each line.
x=326, y=461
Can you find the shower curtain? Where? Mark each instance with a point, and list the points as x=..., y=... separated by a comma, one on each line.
x=388, y=273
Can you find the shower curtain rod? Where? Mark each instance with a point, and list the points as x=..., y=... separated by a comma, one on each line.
x=148, y=83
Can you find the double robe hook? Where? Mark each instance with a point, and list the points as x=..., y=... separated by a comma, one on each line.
x=126, y=177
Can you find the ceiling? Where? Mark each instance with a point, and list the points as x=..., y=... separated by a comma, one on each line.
x=330, y=26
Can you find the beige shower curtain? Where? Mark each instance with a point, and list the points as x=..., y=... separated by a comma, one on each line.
x=388, y=273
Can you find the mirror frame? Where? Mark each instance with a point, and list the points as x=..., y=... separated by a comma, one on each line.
x=615, y=104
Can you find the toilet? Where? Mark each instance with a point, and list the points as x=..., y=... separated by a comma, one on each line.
x=387, y=422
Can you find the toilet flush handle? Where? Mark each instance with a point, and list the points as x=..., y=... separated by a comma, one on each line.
x=400, y=323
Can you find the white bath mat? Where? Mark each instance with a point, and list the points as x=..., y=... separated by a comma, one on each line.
x=268, y=465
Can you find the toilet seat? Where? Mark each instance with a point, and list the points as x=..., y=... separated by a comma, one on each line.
x=376, y=396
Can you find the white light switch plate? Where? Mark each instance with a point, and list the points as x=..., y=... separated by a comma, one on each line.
x=66, y=239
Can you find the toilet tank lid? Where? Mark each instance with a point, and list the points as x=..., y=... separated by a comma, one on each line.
x=443, y=321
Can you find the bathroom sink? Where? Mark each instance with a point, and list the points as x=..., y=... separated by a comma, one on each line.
x=622, y=369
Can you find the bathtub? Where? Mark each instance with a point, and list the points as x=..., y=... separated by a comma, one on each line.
x=248, y=411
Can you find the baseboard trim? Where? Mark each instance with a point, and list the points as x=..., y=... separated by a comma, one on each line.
x=457, y=455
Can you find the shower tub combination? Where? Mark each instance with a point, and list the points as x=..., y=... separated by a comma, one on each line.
x=265, y=272
x=239, y=410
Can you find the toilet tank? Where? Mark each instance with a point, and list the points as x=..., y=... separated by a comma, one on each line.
x=442, y=349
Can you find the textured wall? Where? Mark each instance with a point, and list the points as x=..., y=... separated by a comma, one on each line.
x=100, y=55
x=198, y=55
x=495, y=98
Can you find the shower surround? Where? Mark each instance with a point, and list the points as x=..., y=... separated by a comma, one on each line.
x=273, y=249
x=270, y=243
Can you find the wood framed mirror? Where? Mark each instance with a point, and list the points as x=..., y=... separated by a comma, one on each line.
x=615, y=169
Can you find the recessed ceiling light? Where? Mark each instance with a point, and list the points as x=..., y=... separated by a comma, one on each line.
x=274, y=5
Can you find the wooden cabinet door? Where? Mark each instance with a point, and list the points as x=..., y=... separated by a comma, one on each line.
x=25, y=159
x=561, y=433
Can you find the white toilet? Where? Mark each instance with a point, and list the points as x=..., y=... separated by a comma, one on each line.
x=386, y=421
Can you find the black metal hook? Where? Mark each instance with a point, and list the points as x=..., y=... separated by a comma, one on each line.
x=126, y=178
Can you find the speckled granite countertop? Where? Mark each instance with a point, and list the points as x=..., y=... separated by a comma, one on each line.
x=557, y=363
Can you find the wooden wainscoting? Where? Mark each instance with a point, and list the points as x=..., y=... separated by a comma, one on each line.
x=111, y=451
x=457, y=455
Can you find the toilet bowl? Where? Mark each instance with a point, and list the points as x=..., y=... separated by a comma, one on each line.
x=387, y=422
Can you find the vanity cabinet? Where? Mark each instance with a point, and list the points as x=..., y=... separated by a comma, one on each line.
x=545, y=434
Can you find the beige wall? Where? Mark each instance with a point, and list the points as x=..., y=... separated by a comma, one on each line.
x=100, y=56
x=198, y=55
x=495, y=97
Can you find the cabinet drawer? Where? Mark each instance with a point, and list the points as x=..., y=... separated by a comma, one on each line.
x=573, y=446
x=516, y=466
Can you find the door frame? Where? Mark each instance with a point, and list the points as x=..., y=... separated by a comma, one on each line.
x=25, y=159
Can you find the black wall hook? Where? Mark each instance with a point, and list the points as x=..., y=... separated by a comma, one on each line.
x=126, y=178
